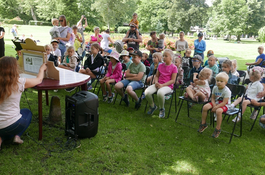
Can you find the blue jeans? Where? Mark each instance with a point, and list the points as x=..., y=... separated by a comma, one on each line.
x=19, y=127
x=62, y=47
x=133, y=84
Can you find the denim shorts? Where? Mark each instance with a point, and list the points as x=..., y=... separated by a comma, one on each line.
x=261, y=124
x=133, y=84
x=19, y=127
x=262, y=80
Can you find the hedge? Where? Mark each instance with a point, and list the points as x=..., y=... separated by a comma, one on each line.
x=40, y=23
x=123, y=29
x=10, y=21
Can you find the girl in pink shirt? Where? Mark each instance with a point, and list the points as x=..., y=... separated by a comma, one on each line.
x=165, y=78
x=114, y=75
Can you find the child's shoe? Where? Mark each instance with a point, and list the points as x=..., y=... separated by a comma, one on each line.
x=152, y=110
x=138, y=103
x=254, y=114
x=110, y=99
x=237, y=119
x=202, y=127
x=216, y=133
x=105, y=97
x=126, y=100
x=162, y=113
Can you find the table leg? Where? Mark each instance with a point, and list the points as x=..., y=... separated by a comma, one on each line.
x=84, y=87
x=47, y=97
x=40, y=113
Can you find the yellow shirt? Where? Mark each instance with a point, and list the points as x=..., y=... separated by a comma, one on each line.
x=77, y=43
x=135, y=22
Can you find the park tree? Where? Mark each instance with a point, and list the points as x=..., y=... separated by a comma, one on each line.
x=115, y=12
x=49, y=9
x=184, y=14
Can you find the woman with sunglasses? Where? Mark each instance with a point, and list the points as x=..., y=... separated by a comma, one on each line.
x=65, y=33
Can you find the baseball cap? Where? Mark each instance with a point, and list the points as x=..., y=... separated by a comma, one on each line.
x=200, y=34
x=124, y=53
x=114, y=54
x=198, y=57
x=137, y=53
x=210, y=53
x=130, y=48
x=54, y=40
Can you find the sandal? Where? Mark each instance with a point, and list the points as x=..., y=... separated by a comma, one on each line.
x=186, y=95
x=105, y=97
x=216, y=133
x=202, y=127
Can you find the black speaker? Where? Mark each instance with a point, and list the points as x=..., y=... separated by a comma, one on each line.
x=81, y=115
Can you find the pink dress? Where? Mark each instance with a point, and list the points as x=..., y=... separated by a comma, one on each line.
x=94, y=38
x=116, y=74
x=166, y=73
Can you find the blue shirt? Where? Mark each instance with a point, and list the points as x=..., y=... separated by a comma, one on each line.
x=200, y=47
x=152, y=68
x=194, y=70
x=262, y=63
x=232, y=79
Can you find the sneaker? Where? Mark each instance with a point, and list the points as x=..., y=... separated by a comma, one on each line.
x=254, y=114
x=138, y=104
x=202, y=127
x=215, y=117
x=216, y=133
x=105, y=97
x=126, y=100
x=230, y=108
x=162, y=113
x=110, y=99
x=89, y=88
x=17, y=140
x=70, y=89
x=151, y=110
x=237, y=119
x=143, y=96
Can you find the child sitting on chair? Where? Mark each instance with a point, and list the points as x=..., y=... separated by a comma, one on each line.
x=227, y=68
x=200, y=89
x=252, y=90
x=180, y=70
x=114, y=75
x=70, y=59
x=144, y=60
x=196, y=62
x=50, y=56
x=164, y=80
x=56, y=51
x=135, y=79
x=126, y=58
x=234, y=68
x=93, y=62
x=212, y=65
x=221, y=95
x=187, y=60
x=157, y=59
x=54, y=32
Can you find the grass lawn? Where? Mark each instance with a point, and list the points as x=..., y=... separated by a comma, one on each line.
x=131, y=142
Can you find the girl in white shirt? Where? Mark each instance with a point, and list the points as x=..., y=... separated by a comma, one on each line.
x=252, y=90
x=13, y=121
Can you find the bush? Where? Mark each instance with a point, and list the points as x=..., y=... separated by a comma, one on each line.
x=11, y=21
x=123, y=29
x=261, y=34
x=195, y=34
x=40, y=23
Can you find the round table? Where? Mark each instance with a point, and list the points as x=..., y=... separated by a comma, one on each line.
x=68, y=79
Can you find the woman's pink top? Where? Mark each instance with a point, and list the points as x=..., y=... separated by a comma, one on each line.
x=166, y=73
x=94, y=38
x=116, y=74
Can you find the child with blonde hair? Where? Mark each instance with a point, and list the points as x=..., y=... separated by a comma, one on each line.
x=234, y=68
x=70, y=59
x=180, y=70
x=212, y=65
x=164, y=80
x=50, y=56
x=200, y=89
x=157, y=60
x=221, y=95
x=54, y=32
x=252, y=90
x=160, y=44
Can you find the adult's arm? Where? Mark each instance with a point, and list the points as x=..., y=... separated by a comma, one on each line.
x=79, y=38
x=68, y=36
x=125, y=39
x=31, y=82
x=148, y=47
x=85, y=23
x=110, y=40
x=2, y=36
x=256, y=63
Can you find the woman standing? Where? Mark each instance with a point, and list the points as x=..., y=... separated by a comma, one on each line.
x=200, y=46
x=2, y=42
x=181, y=45
x=65, y=33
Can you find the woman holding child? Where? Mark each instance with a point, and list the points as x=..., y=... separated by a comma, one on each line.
x=152, y=46
x=65, y=33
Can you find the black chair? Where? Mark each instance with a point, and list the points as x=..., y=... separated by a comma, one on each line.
x=236, y=92
x=242, y=74
x=100, y=75
x=172, y=93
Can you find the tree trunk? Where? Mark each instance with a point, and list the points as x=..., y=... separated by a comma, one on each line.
x=238, y=38
x=33, y=14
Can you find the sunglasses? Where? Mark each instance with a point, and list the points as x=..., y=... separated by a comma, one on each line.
x=60, y=20
x=195, y=60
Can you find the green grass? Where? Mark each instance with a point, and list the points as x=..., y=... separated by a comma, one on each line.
x=131, y=142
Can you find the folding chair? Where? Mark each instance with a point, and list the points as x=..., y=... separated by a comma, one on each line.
x=172, y=93
x=102, y=73
x=236, y=91
x=242, y=74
